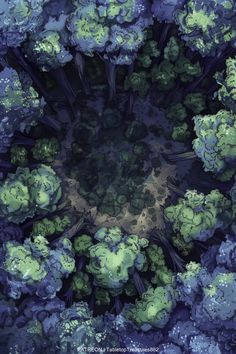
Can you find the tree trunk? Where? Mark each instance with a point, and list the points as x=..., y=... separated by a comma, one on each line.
x=81, y=263
x=138, y=283
x=61, y=78
x=118, y=305
x=80, y=65
x=68, y=296
x=131, y=94
x=92, y=301
x=131, y=102
x=111, y=78
x=178, y=262
x=174, y=188
x=189, y=155
x=164, y=36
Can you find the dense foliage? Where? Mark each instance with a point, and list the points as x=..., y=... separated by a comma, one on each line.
x=117, y=176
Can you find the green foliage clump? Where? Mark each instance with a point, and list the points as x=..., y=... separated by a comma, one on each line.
x=164, y=75
x=45, y=188
x=82, y=245
x=150, y=48
x=149, y=51
x=183, y=247
x=102, y=297
x=32, y=266
x=216, y=142
x=156, y=259
x=177, y=113
x=172, y=49
x=138, y=83
x=222, y=286
x=227, y=92
x=24, y=193
x=196, y=102
x=81, y=285
x=188, y=282
x=180, y=132
x=46, y=149
x=113, y=259
x=115, y=29
x=15, y=199
x=19, y=156
x=175, y=65
x=45, y=49
x=77, y=329
x=184, y=68
x=20, y=105
x=197, y=216
x=153, y=309
x=88, y=31
x=48, y=227
x=20, y=261
x=187, y=70
x=206, y=26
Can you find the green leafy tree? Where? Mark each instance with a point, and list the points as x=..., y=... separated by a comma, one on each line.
x=48, y=227
x=196, y=102
x=183, y=247
x=137, y=82
x=164, y=75
x=15, y=198
x=216, y=143
x=20, y=261
x=153, y=309
x=176, y=113
x=180, y=132
x=150, y=48
x=17, y=20
x=20, y=105
x=45, y=188
x=149, y=51
x=81, y=285
x=188, y=282
x=46, y=149
x=197, y=216
x=109, y=28
x=227, y=80
x=24, y=193
x=102, y=297
x=207, y=26
x=76, y=328
x=187, y=70
x=173, y=49
x=174, y=66
x=156, y=259
x=19, y=156
x=36, y=268
x=46, y=49
x=174, y=52
x=114, y=258
x=82, y=245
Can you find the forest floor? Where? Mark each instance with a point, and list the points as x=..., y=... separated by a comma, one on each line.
x=140, y=207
